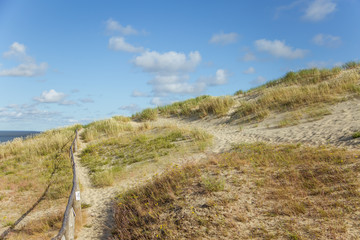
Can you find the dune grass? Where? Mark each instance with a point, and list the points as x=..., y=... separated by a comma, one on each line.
x=148, y=114
x=256, y=191
x=106, y=159
x=307, y=114
x=303, y=89
x=27, y=168
x=106, y=128
x=198, y=107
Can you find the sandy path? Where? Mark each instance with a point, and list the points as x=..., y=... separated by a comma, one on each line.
x=335, y=129
x=99, y=215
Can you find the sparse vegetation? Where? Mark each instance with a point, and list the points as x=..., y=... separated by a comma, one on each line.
x=295, y=193
x=184, y=108
x=351, y=65
x=146, y=115
x=106, y=128
x=107, y=158
x=303, y=89
x=308, y=114
x=198, y=107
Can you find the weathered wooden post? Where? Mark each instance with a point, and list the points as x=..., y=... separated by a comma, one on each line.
x=70, y=228
x=77, y=205
x=76, y=141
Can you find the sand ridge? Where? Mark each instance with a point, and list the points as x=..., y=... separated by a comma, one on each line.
x=334, y=130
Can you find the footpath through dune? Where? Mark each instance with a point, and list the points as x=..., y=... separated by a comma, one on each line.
x=99, y=215
x=335, y=130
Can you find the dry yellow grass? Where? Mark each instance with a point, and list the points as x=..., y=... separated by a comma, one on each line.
x=257, y=191
x=30, y=168
x=106, y=128
x=301, y=92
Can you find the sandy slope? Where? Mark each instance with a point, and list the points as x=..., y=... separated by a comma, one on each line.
x=335, y=129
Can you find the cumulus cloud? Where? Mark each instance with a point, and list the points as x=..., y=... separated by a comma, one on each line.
x=258, y=81
x=224, y=38
x=119, y=44
x=156, y=101
x=319, y=9
x=278, y=48
x=132, y=108
x=15, y=112
x=114, y=26
x=326, y=40
x=27, y=67
x=250, y=70
x=136, y=93
x=152, y=61
x=16, y=50
x=220, y=78
x=51, y=96
x=171, y=75
x=249, y=57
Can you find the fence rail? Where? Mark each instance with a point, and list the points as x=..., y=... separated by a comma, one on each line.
x=72, y=215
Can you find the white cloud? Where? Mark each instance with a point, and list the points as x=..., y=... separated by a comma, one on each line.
x=152, y=61
x=136, y=93
x=25, y=70
x=16, y=112
x=220, y=78
x=327, y=40
x=51, y=97
x=114, y=26
x=171, y=73
x=132, y=108
x=156, y=101
x=323, y=64
x=224, y=38
x=319, y=9
x=249, y=57
x=16, y=49
x=119, y=44
x=258, y=81
x=86, y=100
x=250, y=70
x=287, y=7
x=27, y=67
x=278, y=48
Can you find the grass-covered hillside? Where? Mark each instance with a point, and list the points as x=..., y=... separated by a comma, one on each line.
x=122, y=146
x=36, y=169
x=304, y=94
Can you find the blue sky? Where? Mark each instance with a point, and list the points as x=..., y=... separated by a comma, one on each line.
x=63, y=62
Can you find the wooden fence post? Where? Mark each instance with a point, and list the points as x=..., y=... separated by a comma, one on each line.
x=77, y=205
x=70, y=228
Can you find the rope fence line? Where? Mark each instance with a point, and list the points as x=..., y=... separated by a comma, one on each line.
x=72, y=215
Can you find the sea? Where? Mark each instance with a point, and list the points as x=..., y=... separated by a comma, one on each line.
x=6, y=136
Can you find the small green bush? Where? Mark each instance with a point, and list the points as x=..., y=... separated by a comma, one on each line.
x=351, y=65
x=148, y=114
x=356, y=135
